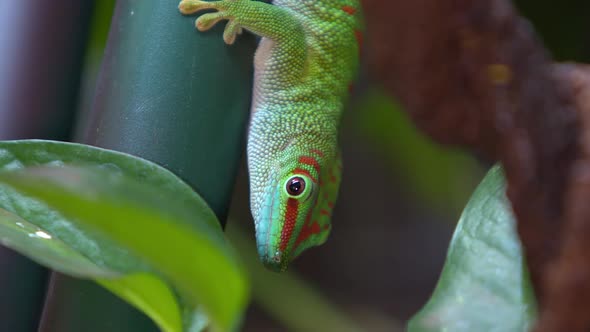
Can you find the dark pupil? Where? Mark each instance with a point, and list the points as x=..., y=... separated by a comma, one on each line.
x=295, y=186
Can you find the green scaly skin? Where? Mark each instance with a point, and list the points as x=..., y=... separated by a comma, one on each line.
x=304, y=65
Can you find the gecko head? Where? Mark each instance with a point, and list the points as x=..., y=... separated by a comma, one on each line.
x=291, y=218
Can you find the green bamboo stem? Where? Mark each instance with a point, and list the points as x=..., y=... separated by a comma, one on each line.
x=171, y=95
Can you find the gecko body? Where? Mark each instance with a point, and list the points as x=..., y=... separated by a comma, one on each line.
x=304, y=66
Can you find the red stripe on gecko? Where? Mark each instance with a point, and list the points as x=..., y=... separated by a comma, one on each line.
x=349, y=10
x=290, y=221
x=304, y=172
x=311, y=161
x=325, y=213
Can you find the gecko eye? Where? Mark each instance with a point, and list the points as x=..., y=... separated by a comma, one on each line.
x=295, y=186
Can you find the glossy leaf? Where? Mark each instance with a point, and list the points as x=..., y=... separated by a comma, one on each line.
x=130, y=216
x=32, y=241
x=484, y=285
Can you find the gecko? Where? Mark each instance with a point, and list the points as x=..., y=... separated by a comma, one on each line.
x=304, y=66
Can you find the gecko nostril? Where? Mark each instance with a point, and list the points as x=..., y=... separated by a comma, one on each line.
x=277, y=257
x=275, y=262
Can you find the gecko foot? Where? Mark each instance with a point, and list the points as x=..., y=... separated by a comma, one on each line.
x=208, y=20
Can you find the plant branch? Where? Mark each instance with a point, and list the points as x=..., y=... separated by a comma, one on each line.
x=473, y=73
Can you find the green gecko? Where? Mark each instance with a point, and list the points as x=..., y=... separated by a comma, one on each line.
x=304, y=66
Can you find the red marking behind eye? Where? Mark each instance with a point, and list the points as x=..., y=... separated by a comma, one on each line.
x=315, y=228
x=349, y=10
x=304, y=234
x=333, y=179
x=305, y=172
x=290, y=221
x=307, y=231
x=359, y=38
x=310, y=161
x=317, y=152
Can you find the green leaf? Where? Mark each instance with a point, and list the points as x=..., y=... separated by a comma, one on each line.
x=484, y=285
x=126, y=215
x=144, y=291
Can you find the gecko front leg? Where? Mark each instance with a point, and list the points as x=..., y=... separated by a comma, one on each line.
x=275, y=23
x=261, y=18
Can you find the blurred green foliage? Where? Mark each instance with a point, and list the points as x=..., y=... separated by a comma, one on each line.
x=442, y=176
x=305, y=310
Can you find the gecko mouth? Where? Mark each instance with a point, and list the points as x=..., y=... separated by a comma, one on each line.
x=275, y=262
x=273, y=258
